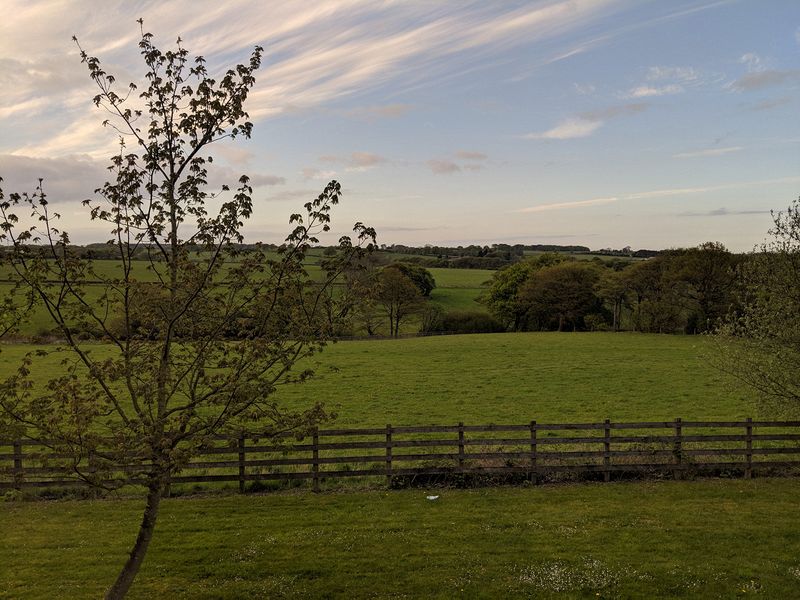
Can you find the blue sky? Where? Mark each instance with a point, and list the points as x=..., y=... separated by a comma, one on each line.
x=605, y=123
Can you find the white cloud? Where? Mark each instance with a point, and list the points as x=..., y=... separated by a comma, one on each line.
x=586, y=123
x=307, y=62
x=313, y=173
x=757, y=80
x=665, y=81
x=566, y=130
x=662, y=193
x=647, y=91
x=562, y=205
x=752, y=62
x=356, y=162
x=681, y=74
x=708, y=152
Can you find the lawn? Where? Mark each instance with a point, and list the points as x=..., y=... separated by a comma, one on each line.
x=690, y=539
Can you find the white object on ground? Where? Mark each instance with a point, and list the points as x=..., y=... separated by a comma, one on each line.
x=432, y=497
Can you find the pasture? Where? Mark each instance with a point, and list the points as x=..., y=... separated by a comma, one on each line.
x=456, y=289
x=505, y=378
x=672, y=539
x=698, y=539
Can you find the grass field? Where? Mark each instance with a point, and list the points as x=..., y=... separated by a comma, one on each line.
x=507, y=378
x=516, y=377
x=690, y=539
x=457, y=289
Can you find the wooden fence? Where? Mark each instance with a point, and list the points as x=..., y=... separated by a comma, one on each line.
x=400, y=454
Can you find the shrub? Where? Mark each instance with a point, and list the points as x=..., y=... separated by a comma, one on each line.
x=468, y=321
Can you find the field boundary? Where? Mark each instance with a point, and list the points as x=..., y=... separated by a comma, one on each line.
x=458, y=453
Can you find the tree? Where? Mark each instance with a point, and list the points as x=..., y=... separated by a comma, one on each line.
x=420, y=276
x=612, y=288
x=398, y=296
x=659, y=300
x=501, y=298
x=561, y=296
x=708, y=269
x=167, y=384
x=760, y=340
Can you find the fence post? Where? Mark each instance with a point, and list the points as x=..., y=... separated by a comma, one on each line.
x=315, y=458
x=534, y=473
x=607, y=451
x=388, y=455
x=460, y=445
x=677, y=449
x=241, y=449
x=18, y=473
x=748, y=472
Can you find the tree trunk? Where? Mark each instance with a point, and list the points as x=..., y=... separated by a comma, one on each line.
x=134, y=562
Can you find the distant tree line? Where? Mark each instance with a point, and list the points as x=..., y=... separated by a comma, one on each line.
x=683, y=290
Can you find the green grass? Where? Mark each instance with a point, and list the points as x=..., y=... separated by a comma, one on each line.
x=461, y=278
x=691, y=539
x=700, y=539
x=513, y=378
x=450, y=299
x=457, y=289
x=506, y=378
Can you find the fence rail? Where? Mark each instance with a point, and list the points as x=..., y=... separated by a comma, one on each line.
x=533, y=450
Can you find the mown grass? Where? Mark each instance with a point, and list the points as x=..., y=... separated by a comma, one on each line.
x=699, y=539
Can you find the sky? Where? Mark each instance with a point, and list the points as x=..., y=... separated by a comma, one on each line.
x=604, y=123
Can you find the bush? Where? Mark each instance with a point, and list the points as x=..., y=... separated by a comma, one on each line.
x=467, y=321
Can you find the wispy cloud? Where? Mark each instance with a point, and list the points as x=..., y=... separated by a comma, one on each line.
x=760, y=74
x=357, y=161
x=314, y=173
x=566, y=130
x=682, y=74
x=584, y=89
x=307, y=64
x=708, y=152
x=65, y=179
x=372, y=113
x=563, y=205
x=586, y=123
x=469, y=160
x=442, y=166
x=661, y=193
x=723, y=212
x=665, y=81
x=770, y=103
x=710, y=188
x=471, y=155
x=752, y=62
x=758, y=80
x=648, y=91
x=293, y=195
